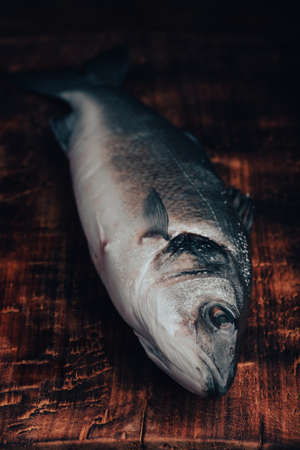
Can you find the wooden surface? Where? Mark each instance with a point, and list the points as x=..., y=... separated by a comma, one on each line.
x=72, y=374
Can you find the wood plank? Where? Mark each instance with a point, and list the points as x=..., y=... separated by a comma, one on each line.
x=72, y=375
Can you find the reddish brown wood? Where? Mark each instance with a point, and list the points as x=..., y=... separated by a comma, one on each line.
x=72, y=375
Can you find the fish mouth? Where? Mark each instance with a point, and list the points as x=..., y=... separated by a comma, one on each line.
x=219, y=382
x=209, y=383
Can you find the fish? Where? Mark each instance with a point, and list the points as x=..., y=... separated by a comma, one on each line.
x=168, y=239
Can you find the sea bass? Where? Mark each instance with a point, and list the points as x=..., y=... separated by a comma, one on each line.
x=167, y=238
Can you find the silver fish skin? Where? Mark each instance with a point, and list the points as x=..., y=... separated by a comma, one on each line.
x=167, y=238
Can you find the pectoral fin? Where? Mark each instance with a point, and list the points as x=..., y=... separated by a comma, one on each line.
x=156, y=216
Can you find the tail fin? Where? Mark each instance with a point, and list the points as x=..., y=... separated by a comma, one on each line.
x=107, y=69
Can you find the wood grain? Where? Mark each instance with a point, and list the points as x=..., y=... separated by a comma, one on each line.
x=72, y=375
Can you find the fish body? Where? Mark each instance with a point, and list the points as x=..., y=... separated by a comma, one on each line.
x=167, y=238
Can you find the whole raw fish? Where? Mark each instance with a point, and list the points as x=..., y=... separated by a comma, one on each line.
x=167, y=238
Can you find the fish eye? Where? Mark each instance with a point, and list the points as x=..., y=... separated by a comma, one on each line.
x=221, y=318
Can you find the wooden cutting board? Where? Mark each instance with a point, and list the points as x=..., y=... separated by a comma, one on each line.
x=72, y=375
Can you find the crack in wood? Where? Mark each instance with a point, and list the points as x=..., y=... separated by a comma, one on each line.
x=261, y=434
x=143, y=423
x=296, y=363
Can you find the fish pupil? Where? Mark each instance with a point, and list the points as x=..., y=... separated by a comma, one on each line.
x=220, y=318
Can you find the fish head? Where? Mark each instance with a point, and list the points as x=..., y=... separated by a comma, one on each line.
x=190, y=319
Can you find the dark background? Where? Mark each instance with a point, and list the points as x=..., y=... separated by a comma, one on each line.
x=276, y=19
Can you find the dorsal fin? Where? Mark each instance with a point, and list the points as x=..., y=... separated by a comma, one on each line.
x=106, y=69
x=202, y=157
x=243, y=206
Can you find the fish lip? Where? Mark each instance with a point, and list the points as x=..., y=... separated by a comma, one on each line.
x=216, y=383
x=209, y=378
x=221, y=384
x=149, y=348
